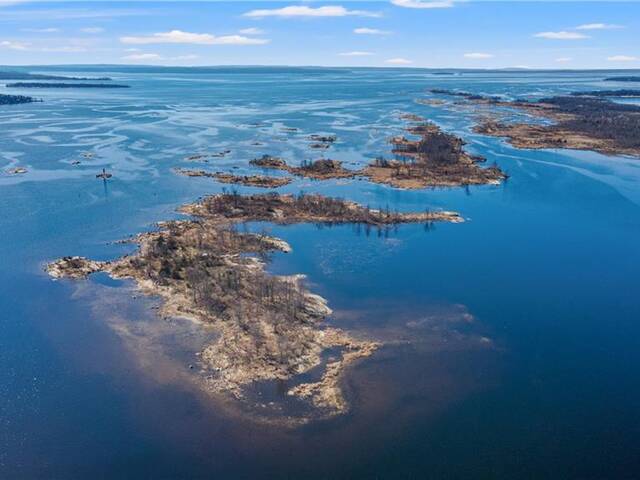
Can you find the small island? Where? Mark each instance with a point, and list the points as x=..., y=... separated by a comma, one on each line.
x=321, y=169
x=435, y=159
x=64, y=85
x=16, y=99
x=262, y=181
x=270, y=327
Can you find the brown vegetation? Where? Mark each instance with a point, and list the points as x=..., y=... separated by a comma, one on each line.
x=261, y=181
x=270, y=327
x=583, y=123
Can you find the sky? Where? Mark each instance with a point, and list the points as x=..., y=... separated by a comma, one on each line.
x=391, y=33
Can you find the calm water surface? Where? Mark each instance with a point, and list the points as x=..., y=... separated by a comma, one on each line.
x=512, y=339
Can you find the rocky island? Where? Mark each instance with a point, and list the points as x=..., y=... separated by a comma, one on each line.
x=321, y=169
x=269, y=327
x=435, y=159
x=262, y=181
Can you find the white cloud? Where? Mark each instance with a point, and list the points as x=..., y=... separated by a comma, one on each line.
x=178, y=36
x=622, y=58
x=564, y=59
x=41, y=30
x=478, y=55
x=598, y=26
x=92, y=30
x=398, y=61
x=356, y=54
x=306, y=11
x=251, y=31
x=423, y=3
x=142, y=57
x=14, y=45
x=370, y=31
x=561, y=35
x=186, y=57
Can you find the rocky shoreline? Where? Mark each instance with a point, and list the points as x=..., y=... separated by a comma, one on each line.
x=269, y=327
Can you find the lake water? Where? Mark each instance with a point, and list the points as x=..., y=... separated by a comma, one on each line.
x=512, y=340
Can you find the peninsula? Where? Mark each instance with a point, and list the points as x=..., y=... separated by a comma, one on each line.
x=583, y=123
x=270, y=327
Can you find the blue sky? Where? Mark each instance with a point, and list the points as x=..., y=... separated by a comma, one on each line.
x=415, y=33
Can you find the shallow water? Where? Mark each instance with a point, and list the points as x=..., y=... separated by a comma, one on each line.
x=512, y=339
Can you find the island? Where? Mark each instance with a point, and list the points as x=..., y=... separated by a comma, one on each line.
x=64, y=85
x=262, y=181
x=13, y=75
x=321, y=169
x=16, y=99
x=269, y=327
x=433, y=159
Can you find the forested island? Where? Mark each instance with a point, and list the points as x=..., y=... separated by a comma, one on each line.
x=270, y=327
x=64, y=85
x=12, y=75
x=15, y=99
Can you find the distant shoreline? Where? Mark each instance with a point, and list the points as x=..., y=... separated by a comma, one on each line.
x=64, y=85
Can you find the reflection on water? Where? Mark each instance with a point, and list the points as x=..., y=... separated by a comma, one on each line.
x=510, y=341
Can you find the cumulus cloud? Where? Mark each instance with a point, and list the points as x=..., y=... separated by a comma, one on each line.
x=398, y=61
x=563, y=35
x=356, y=54
x=622, y=58
x=293, y=11
x=370, y=31
x=478, y=55
x=178, y=36
x=423, y=3
x=598, y=26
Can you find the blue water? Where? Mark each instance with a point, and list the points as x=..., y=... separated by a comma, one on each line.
x=512, y=339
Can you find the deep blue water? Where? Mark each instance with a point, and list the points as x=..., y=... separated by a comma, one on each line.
x=513, y=338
